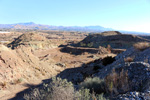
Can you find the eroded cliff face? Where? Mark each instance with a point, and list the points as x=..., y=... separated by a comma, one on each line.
x=21, y=63
x=9, y=63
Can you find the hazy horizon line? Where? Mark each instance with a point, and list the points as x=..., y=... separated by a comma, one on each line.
x=76, y=26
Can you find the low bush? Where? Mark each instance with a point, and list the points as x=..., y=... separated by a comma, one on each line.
x=18, y=81
x=117, y=82
x=128, y=59
x=61, y=89
x=93, y=84
x=58, y=89
x=84, y=94
x=109, y=48
x=141, y=46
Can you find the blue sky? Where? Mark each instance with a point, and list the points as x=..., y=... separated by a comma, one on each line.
x=132, y=15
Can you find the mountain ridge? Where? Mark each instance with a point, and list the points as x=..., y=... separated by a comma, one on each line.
x=32, y=25
x=94, y=28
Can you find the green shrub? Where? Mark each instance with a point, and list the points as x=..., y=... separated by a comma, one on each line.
x=84, y=94
x=90, y=44
x=93, y=84
x=82, y=44
x=60, y=89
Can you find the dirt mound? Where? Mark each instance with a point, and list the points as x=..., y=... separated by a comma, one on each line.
x=81, y=50
x=29, y=37
x=33, y=40
x=107, y=33
x=114, y=39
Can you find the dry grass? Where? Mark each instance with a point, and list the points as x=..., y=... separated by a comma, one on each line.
x=128, y=59
x=117, y=83
x=18, y=81
x=141, y=46
x=109, y=48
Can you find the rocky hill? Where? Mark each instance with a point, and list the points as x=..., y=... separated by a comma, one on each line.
x=33, y=40
x=136, y=64
x=113, y=38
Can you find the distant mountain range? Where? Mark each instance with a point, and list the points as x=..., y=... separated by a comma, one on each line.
x=32, y=25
